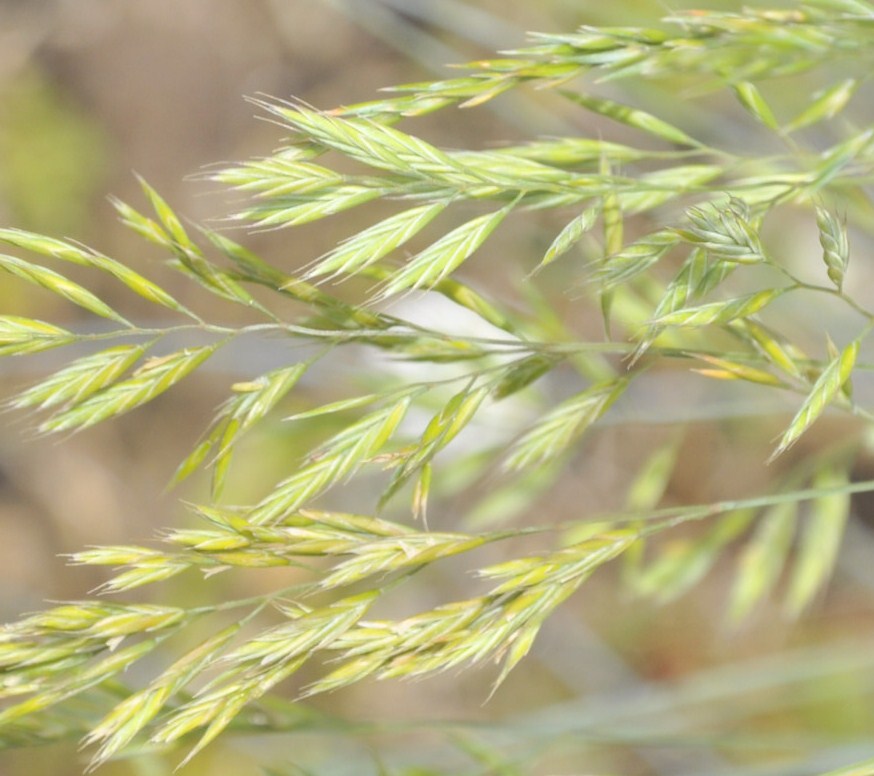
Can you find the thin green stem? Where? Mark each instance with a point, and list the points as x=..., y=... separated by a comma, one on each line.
x=670, y=517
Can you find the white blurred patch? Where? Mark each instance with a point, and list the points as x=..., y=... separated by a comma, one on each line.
x=496, y=422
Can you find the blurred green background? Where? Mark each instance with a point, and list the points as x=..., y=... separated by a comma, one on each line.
x=94, y=90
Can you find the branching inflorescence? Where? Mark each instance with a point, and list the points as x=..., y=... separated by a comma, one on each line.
x=703, y=206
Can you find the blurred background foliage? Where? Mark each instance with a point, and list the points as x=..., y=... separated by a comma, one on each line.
x=93, y=89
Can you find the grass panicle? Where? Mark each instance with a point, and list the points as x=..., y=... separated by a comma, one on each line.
x=661, y=233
